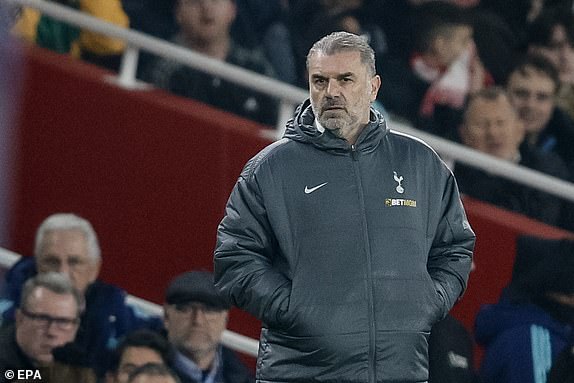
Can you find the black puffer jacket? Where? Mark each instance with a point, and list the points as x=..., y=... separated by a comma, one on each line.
x=348, y=254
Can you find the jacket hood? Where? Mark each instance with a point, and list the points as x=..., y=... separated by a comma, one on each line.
x=492, y=320
x=302, y=128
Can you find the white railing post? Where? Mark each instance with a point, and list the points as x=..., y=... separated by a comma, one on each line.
x=128, y=67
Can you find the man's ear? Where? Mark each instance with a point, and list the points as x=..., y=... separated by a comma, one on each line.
x=375, y=86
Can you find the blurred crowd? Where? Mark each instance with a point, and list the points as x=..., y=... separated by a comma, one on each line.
x=433, y=57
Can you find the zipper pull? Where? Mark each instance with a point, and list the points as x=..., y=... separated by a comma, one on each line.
x=354, y=152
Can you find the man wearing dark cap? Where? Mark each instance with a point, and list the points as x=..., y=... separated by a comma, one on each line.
x=533, y=322
x=195, y=318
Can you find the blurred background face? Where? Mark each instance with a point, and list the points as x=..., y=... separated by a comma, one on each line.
x=559, y=51
x=37, y=333
x=204, y=21
x=450, y=46
x=532, y=95
x=194, y=329
x=66, y=251
x=132, y=358
x=492, y=127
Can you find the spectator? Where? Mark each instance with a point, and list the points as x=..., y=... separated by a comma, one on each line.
x=47, y=319
x=137, y=348
x=533, y=321
x=430, y=89
x=153, y=373
x=68, y=244
x=62, y=37
x=491, y=125
x=195, y=318
x=552, y=36
x=532, y=86
x=204, y=27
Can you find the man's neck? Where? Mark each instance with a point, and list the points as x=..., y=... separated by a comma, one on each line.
x=203, y=360
x=218, y=49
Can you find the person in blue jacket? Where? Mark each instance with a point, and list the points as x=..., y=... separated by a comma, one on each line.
x=68, y=244
x=533, y=322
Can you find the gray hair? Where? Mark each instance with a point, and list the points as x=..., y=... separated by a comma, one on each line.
x=344, y=41
x=55, y=282
x=68, y=221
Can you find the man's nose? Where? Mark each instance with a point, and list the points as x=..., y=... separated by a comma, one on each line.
x=490, y=130
x=333, y=88
x=63, y=268
x=51, y=330
x=197, y=315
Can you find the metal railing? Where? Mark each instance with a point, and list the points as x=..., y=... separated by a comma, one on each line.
x=289, y=95
x=230, y=339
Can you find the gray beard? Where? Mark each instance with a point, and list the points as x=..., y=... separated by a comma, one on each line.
x=335, y=126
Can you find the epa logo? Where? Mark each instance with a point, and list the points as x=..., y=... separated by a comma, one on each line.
x=23, y=375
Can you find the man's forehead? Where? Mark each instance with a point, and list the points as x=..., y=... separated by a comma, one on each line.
x=529, y=74
x=336, y=63
x=42, y=297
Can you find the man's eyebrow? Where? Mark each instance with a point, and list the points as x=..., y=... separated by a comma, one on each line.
x=318, y=76
x=339, y=76
x=347, y=74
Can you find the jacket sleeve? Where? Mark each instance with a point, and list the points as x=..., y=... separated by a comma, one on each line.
x=244, y=266
x=450, y=257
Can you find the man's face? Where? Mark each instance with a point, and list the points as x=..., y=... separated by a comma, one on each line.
x=66, y=251
x=492, y=127
x=450, y=47
x=341, y=91
x=194, y=329
x=204, y=21
x=132, y=358
x=47, y=320
x=559, y=51
x=532, y=94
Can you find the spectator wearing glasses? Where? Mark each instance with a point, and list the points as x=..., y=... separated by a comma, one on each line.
x=67, y=243
x=195, y=318
x=48, y=318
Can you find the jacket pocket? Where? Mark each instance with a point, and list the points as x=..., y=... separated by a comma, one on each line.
x=402, y=356
x=335, y=357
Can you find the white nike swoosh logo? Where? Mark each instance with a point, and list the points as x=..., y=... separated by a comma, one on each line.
x=311, y=190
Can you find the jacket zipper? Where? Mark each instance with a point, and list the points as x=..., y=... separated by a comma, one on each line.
x=370, y=298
